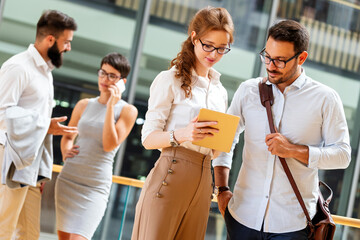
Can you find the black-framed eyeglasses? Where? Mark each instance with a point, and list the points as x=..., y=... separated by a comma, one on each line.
x=278, y=63
x=111, y=76
x=210, y=48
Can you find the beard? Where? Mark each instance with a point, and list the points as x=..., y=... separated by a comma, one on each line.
x=278, y=79
x=55, y=55
x=283, y=76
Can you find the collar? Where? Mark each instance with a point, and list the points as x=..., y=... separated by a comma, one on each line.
x=39, y=60
x=300, y=81
x=214, y=75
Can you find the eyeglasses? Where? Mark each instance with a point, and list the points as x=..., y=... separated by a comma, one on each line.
x=111, y=76
x=210, y=48
x=278, y=63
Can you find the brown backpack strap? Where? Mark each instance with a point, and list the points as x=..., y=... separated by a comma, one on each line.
x=267, y=99
x=266, y=93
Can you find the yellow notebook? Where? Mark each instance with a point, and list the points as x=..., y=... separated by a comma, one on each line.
x=226, y=124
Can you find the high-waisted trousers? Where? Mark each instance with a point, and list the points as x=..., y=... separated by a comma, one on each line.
x=175, y=200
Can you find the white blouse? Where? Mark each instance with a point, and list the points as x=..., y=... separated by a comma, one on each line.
x=169, y=109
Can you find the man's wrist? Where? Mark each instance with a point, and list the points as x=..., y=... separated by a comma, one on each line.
x=301, y=153
x=220, y=189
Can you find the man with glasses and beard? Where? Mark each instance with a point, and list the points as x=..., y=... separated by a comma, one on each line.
x=26, y=81
x=312, y=134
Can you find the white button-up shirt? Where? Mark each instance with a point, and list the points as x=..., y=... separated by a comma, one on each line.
x=307, y=113
x=168, y=109
x=26, y=81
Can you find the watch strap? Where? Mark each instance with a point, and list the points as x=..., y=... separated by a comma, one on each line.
x=220, y=189
x=173, y=141
x=223, y=189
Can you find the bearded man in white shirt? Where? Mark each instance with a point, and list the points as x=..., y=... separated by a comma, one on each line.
x=26, y=81
x=312, y=134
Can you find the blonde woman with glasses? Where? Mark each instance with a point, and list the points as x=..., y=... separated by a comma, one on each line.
x=175, y=200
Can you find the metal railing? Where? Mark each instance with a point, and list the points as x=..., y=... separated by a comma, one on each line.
x=351, y=222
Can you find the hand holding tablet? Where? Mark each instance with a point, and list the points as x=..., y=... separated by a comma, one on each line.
x=227, y=125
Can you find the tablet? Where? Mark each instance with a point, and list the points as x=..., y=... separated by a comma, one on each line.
x=227, y=125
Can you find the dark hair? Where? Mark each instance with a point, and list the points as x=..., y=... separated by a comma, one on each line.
x=291, y=31
x=53, y=22
x=117, y=61
x=204, y=21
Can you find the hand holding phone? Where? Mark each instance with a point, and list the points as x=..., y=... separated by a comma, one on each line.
x=121, y=85
x=116, y=95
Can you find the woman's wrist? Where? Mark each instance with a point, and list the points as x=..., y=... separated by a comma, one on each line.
x=110, y=104
x=178, y=136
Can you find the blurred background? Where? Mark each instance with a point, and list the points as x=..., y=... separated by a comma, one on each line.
x=149, y=33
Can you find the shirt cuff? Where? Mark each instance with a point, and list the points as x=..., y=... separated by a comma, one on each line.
x=314, y=156
x=148, y=128
x=222, y=162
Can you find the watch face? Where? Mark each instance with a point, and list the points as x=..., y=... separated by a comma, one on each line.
x=216, y=191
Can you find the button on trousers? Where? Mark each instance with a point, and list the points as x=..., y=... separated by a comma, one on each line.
x=175, y=200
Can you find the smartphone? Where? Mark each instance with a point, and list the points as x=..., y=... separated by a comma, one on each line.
x=121, y=85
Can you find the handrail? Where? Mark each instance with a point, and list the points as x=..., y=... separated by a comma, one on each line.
x=115, y=179
x=351, y=222
x=346, y=221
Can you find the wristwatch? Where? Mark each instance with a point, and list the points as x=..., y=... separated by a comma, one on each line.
x=219, y=189
x=173, y=141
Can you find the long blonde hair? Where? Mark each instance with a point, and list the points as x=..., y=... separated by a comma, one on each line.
x=204, y=21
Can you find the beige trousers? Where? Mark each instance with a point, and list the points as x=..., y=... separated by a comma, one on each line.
x=175, y=200
x=19, y=211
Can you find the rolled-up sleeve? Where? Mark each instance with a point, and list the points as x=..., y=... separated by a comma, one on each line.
x=159, y=104
x=336, y=151
x=13, y=82
x=225, y=159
